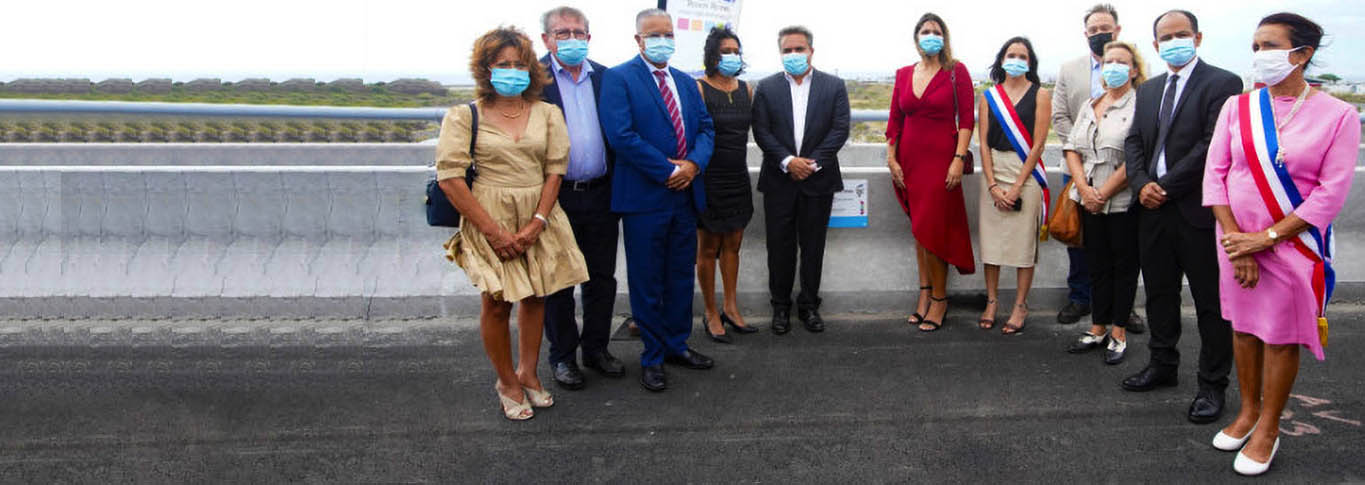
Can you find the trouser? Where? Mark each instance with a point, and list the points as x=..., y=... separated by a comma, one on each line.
x=1111, y=249
x=661, y=259
x=596, y=230
x=1170, y=248
x=1078, y=272
x=795, y=221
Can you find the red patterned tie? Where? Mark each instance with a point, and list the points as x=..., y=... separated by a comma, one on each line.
x=673, y=113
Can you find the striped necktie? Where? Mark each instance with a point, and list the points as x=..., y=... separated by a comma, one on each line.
x=673, y=113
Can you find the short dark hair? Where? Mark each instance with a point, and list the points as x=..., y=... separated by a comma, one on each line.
x=1302, y=32
x=1101, y=8
x=710, y=55
x=998, y=70
x=793, y=30
x=1194, y=21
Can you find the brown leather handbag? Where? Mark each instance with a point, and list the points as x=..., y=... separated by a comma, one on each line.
x=1065, y=225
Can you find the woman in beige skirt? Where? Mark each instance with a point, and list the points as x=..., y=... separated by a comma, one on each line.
x=514, y=242
x=1012, y=201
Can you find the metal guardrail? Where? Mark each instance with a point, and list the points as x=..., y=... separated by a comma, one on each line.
x=52, y=106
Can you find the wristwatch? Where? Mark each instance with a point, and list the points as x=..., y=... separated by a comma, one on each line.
x=1274, y=236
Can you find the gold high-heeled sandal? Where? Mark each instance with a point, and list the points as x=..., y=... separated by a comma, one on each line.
x=540, y=399
x=513, y=410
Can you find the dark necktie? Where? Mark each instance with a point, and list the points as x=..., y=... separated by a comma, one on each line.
x=1164, y=119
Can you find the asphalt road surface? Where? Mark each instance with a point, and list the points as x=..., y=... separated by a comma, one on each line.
x=869, y=400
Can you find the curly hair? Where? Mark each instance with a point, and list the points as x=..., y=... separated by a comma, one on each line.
x=711, y=52
x=1139, y=65
x=486, y=49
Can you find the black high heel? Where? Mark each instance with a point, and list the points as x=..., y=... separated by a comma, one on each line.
x=723, y=338
x=933, y=326
x=725, y=320
x=916, y=318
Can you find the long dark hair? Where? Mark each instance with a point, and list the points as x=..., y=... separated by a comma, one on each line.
x=998, y=69
x=1302, y=32
x=710, y=54
x=945, y=56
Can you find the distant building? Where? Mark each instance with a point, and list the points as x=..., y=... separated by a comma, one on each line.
x=115, y=86
x=252, y=85
x=305, y=85
x=417, y=86
x=350, y=85
x=204, y=84
x=154, y=86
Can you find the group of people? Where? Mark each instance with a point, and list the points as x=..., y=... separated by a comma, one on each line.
x=571, y=155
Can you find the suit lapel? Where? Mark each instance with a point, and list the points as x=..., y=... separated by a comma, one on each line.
x=784, y=103
x=1191, y=84
x=812, y=100
x=646, y=76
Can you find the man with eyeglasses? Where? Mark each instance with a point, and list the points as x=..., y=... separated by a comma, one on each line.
x=657, y=124
x=586, y=199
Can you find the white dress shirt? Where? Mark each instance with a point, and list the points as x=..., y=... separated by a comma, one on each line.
x=800, y=99
x=1184, y=73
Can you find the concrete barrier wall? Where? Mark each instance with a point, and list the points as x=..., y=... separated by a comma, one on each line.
x=339, y=230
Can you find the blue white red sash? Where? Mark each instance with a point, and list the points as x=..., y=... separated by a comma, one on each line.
x=1021, y=140
x=1281, y=196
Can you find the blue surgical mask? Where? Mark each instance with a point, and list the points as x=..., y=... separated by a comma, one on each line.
x=510, y=82
x=571, y=52
x=1114, y=74
x=1178, y=51
x=730, y=64
x=796, y=63
x=658, y=49
x=931, y=44
x=1015, y=67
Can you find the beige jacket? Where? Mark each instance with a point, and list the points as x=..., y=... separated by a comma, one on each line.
x=1071, y=96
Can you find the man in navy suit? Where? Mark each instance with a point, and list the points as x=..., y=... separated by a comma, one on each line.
x=586, y=198
x=655, y=121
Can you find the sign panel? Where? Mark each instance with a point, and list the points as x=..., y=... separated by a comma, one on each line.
x=850, y=205
x=692, y=21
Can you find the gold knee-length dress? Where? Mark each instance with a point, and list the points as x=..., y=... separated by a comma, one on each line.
x=511, y=175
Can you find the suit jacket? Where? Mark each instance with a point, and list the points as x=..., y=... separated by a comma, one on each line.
x=1187, y=142
x=551, y=95
x=1070, y=95
x=826, y=130
x=640, y=131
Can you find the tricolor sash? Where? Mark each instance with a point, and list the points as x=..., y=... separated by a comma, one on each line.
x=1281, y=196
x=1021, y=140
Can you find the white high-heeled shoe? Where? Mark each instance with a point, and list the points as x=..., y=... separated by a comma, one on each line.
x=513, y=410
x=1249, y=467
x=1225, y=442
x=540, y=399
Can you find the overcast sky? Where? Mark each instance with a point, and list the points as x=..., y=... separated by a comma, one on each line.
x=381, y=40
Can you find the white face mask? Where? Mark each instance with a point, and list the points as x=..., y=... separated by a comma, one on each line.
x=1272, y=66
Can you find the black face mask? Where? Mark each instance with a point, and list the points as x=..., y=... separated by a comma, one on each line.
x=1098, y=41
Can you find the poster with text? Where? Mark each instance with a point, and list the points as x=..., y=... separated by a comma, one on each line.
x=692, y=21
x=850, y=205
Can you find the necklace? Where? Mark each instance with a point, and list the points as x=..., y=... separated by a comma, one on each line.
x=517, y=112
x=1279, y=124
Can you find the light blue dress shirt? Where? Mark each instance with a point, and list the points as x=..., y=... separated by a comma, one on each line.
x=1096, y=80
x=587, y=151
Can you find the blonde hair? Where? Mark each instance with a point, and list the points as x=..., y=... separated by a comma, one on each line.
x=1139, y=65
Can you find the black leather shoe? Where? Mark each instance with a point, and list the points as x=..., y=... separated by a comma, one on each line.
x=1115, y=352
x=1207, y=406
x=1135, y=324
x=1072, y=312
x=725, y=320
x=1151, y=377
x=567, y=375
x=1087, y=342
x=811, y=320
x=690, y=359
x=782, y=321
x=721, y=338
x=604, y=363
x=652, y=378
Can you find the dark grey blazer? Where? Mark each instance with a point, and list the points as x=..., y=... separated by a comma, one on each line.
x=827, y=118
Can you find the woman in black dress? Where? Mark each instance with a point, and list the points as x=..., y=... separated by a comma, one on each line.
x=729, y=202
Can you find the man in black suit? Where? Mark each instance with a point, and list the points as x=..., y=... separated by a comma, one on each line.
x=800, y=121
x=586, y=199
x=1175, y=118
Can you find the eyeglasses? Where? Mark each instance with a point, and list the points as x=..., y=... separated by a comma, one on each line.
x=565, y=34
x=657, y=36
x=511, y=65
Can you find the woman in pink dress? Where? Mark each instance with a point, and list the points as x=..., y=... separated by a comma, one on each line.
x=1266, y=282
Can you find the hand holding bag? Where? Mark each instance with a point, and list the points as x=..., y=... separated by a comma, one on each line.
x=440, y=212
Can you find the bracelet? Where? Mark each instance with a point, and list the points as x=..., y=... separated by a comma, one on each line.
x=959, y=155
x=992, y=187
x=542, y=219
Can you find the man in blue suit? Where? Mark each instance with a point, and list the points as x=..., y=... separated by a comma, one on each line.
x=656, y=123
x=575, y=84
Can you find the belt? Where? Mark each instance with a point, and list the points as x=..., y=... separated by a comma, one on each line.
x=584, y=185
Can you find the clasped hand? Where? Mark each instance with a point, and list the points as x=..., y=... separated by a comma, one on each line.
x=681, y=178
x=1240, y=248
x=800, y=168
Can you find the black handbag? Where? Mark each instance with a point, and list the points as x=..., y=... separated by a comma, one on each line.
x=440, y=212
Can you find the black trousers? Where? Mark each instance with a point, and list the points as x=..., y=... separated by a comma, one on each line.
x=1171, y=248
x=1111, y=252
x=795, y=221
x=597, y=230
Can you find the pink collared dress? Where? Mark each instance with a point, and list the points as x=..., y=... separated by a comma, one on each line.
x=1320, y=144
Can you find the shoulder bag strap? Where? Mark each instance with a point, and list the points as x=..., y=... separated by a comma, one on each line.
x=474, y=127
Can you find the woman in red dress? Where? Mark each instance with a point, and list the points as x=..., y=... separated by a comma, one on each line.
x=926, y=152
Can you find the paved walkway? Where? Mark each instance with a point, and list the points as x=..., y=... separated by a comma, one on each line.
x=870, y=400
